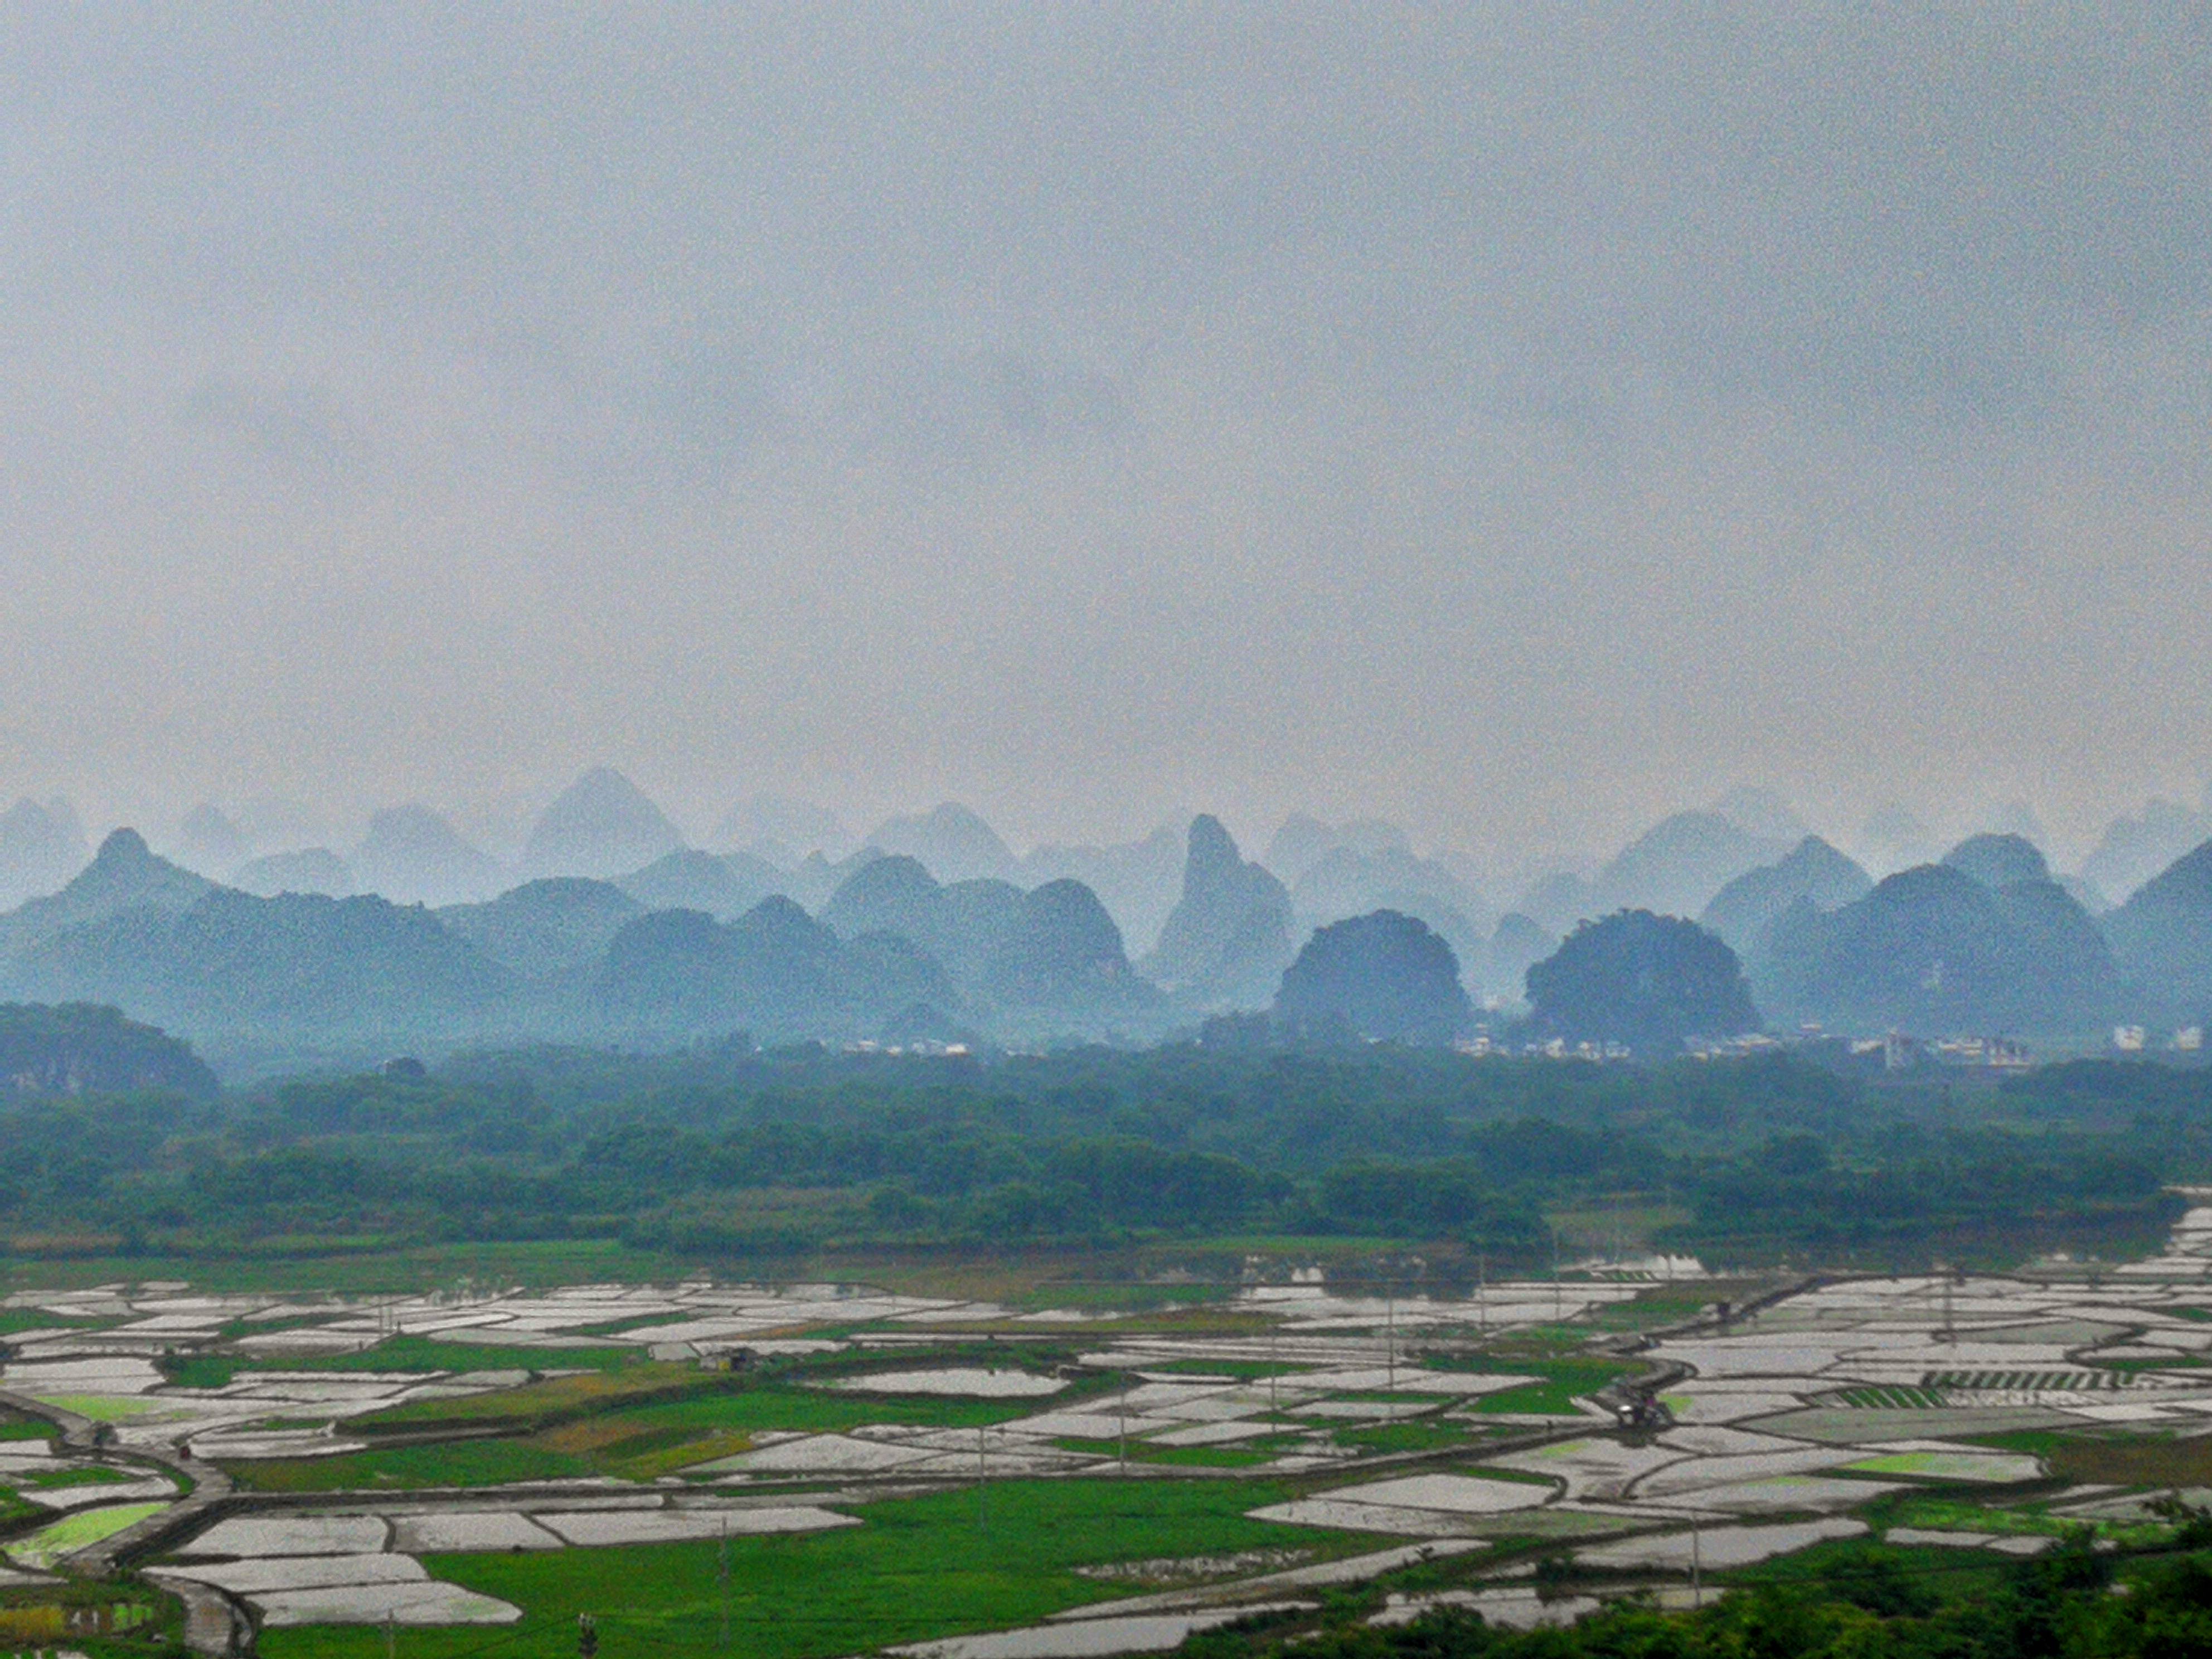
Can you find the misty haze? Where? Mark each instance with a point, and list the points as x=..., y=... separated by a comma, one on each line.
x=1034, y=833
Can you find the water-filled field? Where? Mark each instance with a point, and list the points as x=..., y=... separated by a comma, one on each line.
x=829, y=1469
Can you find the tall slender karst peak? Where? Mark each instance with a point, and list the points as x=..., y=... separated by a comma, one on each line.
x=602, y=824
x=1228, y=938
x=1213, y=852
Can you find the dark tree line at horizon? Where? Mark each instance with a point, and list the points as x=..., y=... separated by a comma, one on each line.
x=733, y=1150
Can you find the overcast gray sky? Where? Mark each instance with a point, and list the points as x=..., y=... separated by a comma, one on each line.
x=1514, y=420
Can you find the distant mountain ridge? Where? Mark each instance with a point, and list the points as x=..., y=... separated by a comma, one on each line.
x=1986, y=941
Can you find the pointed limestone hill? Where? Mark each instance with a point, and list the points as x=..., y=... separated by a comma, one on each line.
x=953, y=843
x=1383, y=977
x=601, y=825
x=1228, y=939
x=413, y=856
x=2162, y=936
x=1741, y=912
x=125, y=875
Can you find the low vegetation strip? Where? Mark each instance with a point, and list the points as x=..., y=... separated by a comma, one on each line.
x=636, y=1437
x=556, y=1399
x=44, y=1548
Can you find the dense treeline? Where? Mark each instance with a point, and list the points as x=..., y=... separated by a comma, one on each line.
x=1857, y=1602
x=741, y=1151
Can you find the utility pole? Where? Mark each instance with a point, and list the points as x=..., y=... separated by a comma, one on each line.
x=1390, y=1333
x=390, y=1636
x=982, y=1474
x=1482, y=1295
x=722, y=1577
x=1696, y=1564
x=1556, y=1316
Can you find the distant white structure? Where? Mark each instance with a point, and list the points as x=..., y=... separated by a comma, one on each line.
x=2127, y=1039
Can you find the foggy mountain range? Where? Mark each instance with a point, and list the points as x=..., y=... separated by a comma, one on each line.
x=604, y=925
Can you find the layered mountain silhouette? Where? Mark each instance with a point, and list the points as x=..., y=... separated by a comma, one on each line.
x=950, y=841
x=1979, y=943
x=788, y=828
x=1999, y=859
x=1518, y=943
x=42, y=847
x=1381, y=977
x=1303, y=842
x=233, y=963
x=412, y=855
x=684, y=944
x=310, y=870
x=1679, y=865
x=208, y=843
x=124, y=876
x=2136, y=847
x=1814, y=872
x=724, y=886
x=1228, y=939
x=600, y=825
x=775, y=973
x=1346, y=881
x=1053, y=947
x=2162, y=936
x=545, y=930
x=1137, y=881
